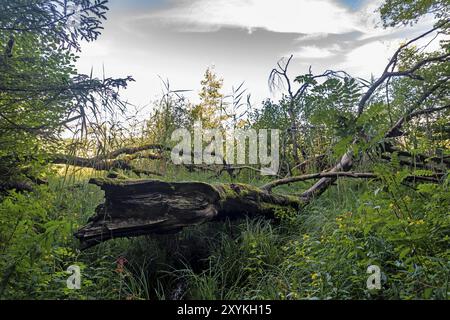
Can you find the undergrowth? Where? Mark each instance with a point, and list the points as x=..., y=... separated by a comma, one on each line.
x=321, y=253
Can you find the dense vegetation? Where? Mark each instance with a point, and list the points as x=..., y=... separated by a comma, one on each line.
x=59, y=128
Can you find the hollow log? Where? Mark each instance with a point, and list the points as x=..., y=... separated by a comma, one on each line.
x=134, y=208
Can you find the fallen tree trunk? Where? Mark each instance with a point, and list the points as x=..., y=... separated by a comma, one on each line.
x=101, y=164
x=19, y=186
x=139, y=207
x=134, y=208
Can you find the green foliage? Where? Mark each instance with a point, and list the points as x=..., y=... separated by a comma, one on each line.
x=398, y=12
x=328, y=113
x=405, y=233
x=37, y=242
x=324, y=253
x=320, y=253
x=40, y=89
x=170, y=113
x=210, y=110
x=271, y=115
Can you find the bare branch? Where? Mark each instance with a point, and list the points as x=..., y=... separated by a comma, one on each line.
x=406, y=73
x=277, y=183
x=393, y=132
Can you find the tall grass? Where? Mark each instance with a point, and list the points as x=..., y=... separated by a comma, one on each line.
x=310, y=256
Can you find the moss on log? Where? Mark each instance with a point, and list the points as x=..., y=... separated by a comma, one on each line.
x=139, y=207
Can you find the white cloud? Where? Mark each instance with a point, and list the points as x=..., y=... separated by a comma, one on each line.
x=327, y=35
x=368, y=59
x=314, y=52
x=373, y=56
x=299, y=16
x=312, y=36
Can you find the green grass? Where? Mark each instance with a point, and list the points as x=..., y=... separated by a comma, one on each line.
x=322, y=253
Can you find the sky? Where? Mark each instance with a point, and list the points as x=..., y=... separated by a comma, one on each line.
x=243, y=39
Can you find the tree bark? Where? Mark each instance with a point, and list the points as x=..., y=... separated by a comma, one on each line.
x=134, y=208
x=106, y=164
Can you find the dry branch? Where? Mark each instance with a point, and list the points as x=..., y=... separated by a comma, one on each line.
x=277, y=183
x=394, y=131
x=100, y=164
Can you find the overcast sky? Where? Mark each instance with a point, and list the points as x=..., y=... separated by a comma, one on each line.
x=243, y=39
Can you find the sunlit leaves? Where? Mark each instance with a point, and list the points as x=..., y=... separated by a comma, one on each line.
x=398, y=12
